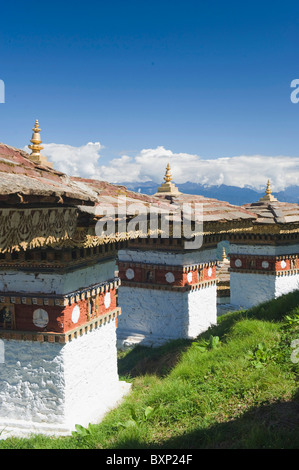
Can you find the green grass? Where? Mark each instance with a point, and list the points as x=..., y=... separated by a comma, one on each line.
x=234, y=387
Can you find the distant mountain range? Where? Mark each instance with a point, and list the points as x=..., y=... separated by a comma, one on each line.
x=231, y=194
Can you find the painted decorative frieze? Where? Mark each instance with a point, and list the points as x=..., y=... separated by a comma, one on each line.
x=166, y=277
x=57, y=317
x=264, y=264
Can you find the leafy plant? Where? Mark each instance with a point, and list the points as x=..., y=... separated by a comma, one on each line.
x=134, y=420
x=81, y=432
x=292, y=320
x=214, y=342
x=203, y=346
x=259, y=356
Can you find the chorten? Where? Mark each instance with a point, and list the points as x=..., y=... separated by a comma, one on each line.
x=224, y=257
x=168, y=188
x=36, y=148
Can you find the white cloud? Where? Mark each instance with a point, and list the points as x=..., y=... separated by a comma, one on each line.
x=75, y=161
x=149, y=164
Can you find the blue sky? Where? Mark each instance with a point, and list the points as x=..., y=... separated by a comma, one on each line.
x=210, y=78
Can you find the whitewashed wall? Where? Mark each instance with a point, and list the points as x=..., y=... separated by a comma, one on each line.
x=202, y=308
x=50, y=387
x=249, y=289
x=55, y=283
x=157, y=316
x=286, y=284
x=167, y=257
x=152, y=312
x=264, y=250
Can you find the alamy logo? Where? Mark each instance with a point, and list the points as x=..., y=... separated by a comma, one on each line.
x=151, y=221
x=295, y=353
x=2, y=92
x=295, y=93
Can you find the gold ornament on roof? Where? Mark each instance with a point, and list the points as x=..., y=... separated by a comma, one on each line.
x=268, y=189
x=268, y=197
x=168, y=175
x=36, y=141
x=224, y=258
x=168, y=188
x=36, y=147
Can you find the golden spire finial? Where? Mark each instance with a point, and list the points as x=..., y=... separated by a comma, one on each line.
x=168, y=188
x=224, y=258
x=36, y=141
x=268, y=194
x=268, y=189
x=36, y=148
x=168, y=175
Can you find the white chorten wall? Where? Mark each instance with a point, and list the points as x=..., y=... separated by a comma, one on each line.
x=264, y=250
x=202, y=309
x=158, y=316
x=248, y=289
x=260, y=273
x=286, y=284
x=154, y=312
x=56, y=283
x=62, y=371
x=167, y=257
x=50, y=387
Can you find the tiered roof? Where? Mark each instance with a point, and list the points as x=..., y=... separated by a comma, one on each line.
x=29, y=181
x=270, y=211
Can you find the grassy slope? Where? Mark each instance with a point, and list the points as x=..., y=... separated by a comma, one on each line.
x=239, y=393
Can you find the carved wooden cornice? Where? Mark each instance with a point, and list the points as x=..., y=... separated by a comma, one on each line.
x=35, y=227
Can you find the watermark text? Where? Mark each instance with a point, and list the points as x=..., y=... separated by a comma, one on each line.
x=295, y=92
x=2, y=91
x=151, y=221
x=295, y=353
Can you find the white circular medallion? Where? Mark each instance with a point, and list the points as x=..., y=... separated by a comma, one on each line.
x=107, y=300
x=189, y=277
x=169, y=277
x=265, y=264
x=210, y=272
x=238, y=263
x=40, y=318
x=130, y=273
x=75, y=314
x=283, y=264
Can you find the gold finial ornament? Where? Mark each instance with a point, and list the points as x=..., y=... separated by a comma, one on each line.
x=36, y=147
x=268, y=189
x=268, y=197
x=168, y=176
x=168, y=188
x=36, y=141
x=224, y=258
